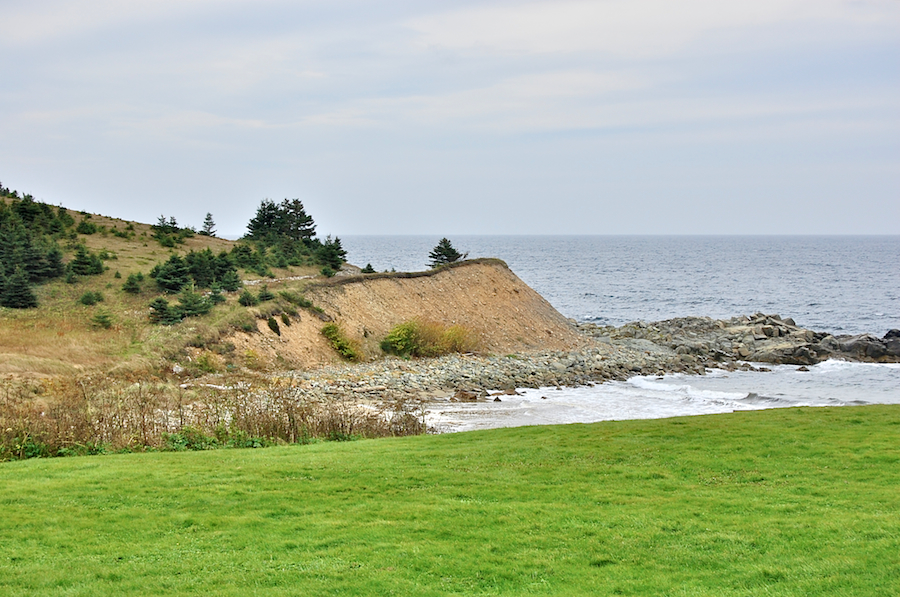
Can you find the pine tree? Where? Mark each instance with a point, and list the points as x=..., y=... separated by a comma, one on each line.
x=444, y=253
x=173, y=275
x=161, y=312
x=85, y=263
x=265, y=294
x=331, y=254
x=132, y=284
x=209, y=226
x=17, y=293
x=191, y=304
x=231, y=281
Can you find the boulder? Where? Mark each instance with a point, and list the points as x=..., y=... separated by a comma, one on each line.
x=862, y=345
x=892, y=347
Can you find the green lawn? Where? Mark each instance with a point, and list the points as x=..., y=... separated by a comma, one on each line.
x=781, y=502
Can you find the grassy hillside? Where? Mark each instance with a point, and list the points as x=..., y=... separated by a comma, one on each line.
x=61, y=336
x=783, y=502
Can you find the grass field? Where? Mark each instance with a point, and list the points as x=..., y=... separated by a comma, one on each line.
x=782, y=502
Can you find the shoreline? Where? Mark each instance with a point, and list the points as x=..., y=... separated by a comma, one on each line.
x=690, y=345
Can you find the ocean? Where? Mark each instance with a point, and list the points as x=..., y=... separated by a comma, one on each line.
x=837, y=284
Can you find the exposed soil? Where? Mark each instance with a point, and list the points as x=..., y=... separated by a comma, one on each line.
x=483, y=295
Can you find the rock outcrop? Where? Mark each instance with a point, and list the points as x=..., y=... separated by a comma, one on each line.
x=759, y=338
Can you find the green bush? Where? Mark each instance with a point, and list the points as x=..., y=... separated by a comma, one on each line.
x=85, y=227
x=265, y=294
x=189, y=438
x=191, y=304
x=90, y=298
x=163, y=313
x=273, y=325
x=340, y=343
x=248, y=299
x=102, y=320
x=132, y=284
x=296, y=299
x=428, y=339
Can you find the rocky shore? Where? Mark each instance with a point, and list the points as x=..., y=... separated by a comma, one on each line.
x=688, y=345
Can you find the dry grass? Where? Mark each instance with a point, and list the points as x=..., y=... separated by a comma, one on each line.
x=58, y=338
x=90, y=414
x=422, y=338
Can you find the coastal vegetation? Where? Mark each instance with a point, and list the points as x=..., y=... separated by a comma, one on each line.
x=65, y=311
x=340, y=342
x=443, y=253
x=419, y=338
x=790, y=502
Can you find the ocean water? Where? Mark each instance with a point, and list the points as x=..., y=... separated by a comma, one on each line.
x=838, y=284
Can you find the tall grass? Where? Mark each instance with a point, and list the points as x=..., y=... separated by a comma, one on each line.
x=91, y=415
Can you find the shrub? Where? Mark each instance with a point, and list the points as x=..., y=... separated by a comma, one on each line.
x=340, y=343
x=90, y=298
x=328, y=272
x=265, y=294
x=132, y=284
x=285, y=319
x=296, y=299
x=248, y=299
x=428, y=339
x=163, y=313
x=85, y=227
x=102, y=320
x=273, y=325
x=189, y=438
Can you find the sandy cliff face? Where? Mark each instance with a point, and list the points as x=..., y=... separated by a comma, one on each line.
x=485, y=296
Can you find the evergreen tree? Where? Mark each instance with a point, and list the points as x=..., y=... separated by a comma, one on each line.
x=191, y=304
x=331, y=254
x=444, y=253
x=16, y=291
x=368, y=269
x=85, y=262
x=231, y=281
x=265, y=294
x=286, y=220
x=162, y=313
x=132, y=284
x=173, y=275
x=215, y=295
x=202, y=267
x=209, y=226
x=248, y=299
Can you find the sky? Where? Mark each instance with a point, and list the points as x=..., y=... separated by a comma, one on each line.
x=462, y=117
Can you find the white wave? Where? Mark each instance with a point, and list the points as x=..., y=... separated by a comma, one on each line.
x=832, y=383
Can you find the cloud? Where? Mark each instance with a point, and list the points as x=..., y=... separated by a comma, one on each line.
x=628, y=28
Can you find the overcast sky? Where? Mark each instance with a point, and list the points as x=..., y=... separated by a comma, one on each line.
x=487, y=117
